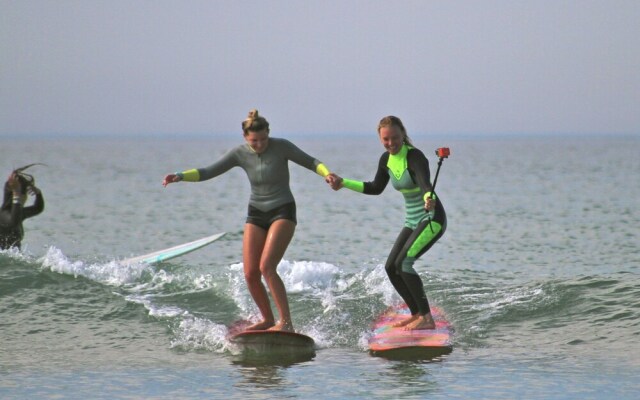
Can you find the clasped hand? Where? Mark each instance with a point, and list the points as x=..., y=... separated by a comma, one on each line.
x=334, y=181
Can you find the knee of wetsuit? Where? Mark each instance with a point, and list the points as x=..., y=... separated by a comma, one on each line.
x=407, y=266
x=391, y=269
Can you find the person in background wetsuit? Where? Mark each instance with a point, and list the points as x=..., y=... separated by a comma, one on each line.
x=425, y=218
x=13, y=211
x=271, y=219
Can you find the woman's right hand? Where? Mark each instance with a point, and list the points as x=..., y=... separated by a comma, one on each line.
x=14, y=183
x=171, y=178
x=334, y=181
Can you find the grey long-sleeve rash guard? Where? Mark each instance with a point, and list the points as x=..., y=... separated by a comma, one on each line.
x=268, y=172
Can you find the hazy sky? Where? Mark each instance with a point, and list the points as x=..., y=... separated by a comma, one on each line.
x=330, y=66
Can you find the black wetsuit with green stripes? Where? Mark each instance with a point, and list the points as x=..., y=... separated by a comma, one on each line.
x=408, y=171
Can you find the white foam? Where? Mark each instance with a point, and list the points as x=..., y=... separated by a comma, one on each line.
x=377, y=282
x=316, y=281
x=155, y=310
x=110, y=273
x=313, y=279
x=301, y=276
x=239, y=293
x=200, y=334
x=202, y=282
x=499, y=301
x=321, y=338
x=14, y=253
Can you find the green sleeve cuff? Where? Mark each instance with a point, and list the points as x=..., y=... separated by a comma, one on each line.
x=192, y=175
x=429, y=194
x=356, y=186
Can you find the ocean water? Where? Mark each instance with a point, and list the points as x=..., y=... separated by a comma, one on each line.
x=539, y=273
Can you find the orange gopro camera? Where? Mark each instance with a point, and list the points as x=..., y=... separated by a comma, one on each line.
x=443, y=152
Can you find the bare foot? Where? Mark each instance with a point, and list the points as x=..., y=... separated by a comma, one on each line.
x=404, y=322
x=284, y=326
x=422, y=322
x=260, y=326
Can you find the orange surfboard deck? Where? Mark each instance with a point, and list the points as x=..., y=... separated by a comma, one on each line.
x=391, y=342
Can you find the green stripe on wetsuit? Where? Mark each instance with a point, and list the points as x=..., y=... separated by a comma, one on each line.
x=403, y=182
x=397, y=166
x=425, y=237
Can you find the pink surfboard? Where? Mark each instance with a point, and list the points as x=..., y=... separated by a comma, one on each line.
x=391, y=342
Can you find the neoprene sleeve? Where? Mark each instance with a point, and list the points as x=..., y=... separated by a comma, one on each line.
x=356, y=186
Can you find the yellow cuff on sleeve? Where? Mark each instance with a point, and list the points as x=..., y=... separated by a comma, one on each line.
x=192, y=175
x=322, y=170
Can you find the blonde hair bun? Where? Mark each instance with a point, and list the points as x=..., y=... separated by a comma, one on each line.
x=254, y=122
x=253, y=114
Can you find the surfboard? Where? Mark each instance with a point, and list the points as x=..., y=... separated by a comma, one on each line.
x=270, y=343
x=173, y=252
x=397, y=343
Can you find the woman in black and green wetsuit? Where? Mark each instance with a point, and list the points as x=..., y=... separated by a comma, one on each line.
x=425, y=221
x=271, y=219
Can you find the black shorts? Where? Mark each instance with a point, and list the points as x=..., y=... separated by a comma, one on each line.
x=264, y=219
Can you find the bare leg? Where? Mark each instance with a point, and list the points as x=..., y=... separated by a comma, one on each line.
x=253, y=244
x=278, y=239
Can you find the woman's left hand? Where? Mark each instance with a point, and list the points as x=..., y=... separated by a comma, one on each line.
x=429, y=204
x=34, y=191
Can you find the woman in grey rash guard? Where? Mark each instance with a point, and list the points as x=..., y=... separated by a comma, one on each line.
x=271, y=219
x=425, y=220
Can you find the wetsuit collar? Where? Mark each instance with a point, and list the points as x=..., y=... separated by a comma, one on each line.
x=397, y=163
x=255, y=152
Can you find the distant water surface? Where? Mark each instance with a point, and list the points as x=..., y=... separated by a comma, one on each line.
x=538, y=272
